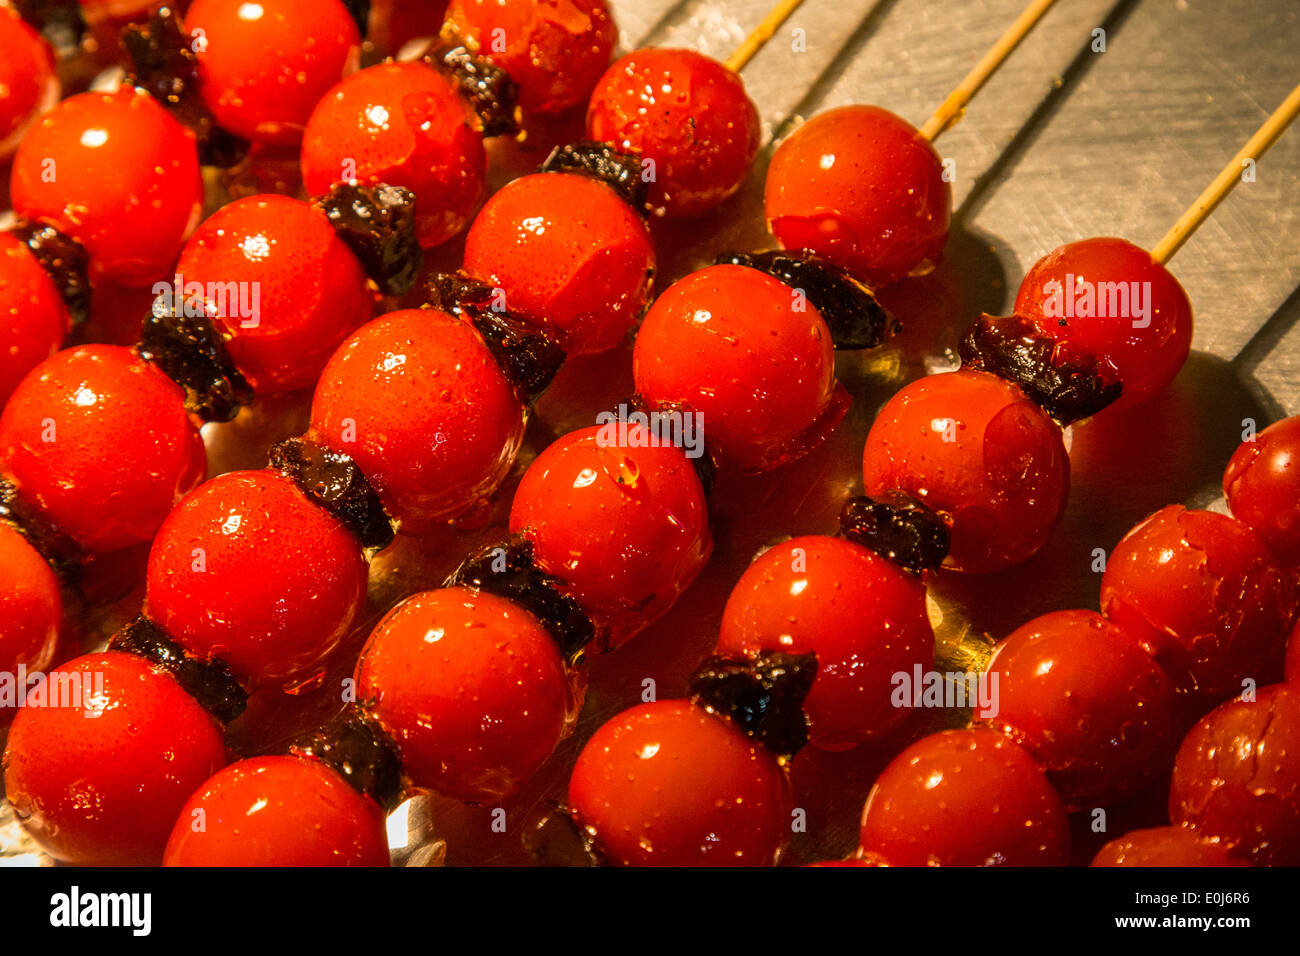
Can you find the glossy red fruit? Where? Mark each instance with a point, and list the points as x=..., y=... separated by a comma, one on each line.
x=298, y=289
x=1201, y=594
x=622, y=525
x=569, y=254
x=965, y=798
x=251, y=571
x=555, y=50
x=98, y=772
x=31, y=609
x=1163, y=846
x=33, y=318
x=669, y=784
x=1094, y=710
x=264, y=66
x=863, y=188
x=124, y=181
x=1086, y=296
x=419, y=401
x=1237, y=777
x=99, y=441
x=862, y=615
x=471, y=688
x=1262, y=485
x=403, y=124
x=688, y=115
x=27, y=77
x=752, y=357
x=278, y=811
x=975, y=449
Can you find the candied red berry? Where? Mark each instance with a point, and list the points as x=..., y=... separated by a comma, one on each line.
x=264, y=66
x=1202, y=595
x=689, y=119
x=278, y=811
x=472, y=689
x=99, y=769
x=1237, y=777
x=99, y=441
x=863, y=188
x=403, y=124
x=751, y=356
x=975, y=449
x=1163, y=846
x=27, y=77
x=555, y=50
x=281, y=284
x=669, y=784
x=862, y=615
x=1262, y=485
x=419, y=401
x=115, y=172
x=33, y=317
x=248, y=569
x=1109, y=299
x=1087, y=703
x=624, y=527
x=31, y=609
x=965, y=798
x=569, y=254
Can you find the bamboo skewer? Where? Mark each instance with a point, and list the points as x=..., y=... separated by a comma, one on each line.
x=1228, y=177
x=951, y=107
x=761, y=34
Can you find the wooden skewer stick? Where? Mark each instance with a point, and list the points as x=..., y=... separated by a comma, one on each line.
x=1228, y=177
x=761, y=34
x=951, y=108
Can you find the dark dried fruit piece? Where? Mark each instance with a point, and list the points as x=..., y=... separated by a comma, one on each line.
x=60, y=552
x=529, y=357
x=192, y=353
x=762, y=697
x=899, y=528
x=66, y=262
x=492, y=94
x=209, y=682
x=856, y=319
x=619, y=171
x=335, y=482
x=1067, y=387
x=60, y=21
x=507, y=570
x=378, y=225
x=357, y=749
x=160, y=61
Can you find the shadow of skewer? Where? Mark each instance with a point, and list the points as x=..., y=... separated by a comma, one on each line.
x=1038, y=119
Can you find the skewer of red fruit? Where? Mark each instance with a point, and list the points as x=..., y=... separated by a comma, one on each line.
x=605, y=537
x=983, y=445
x=865, y=189
x=1088, y=701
